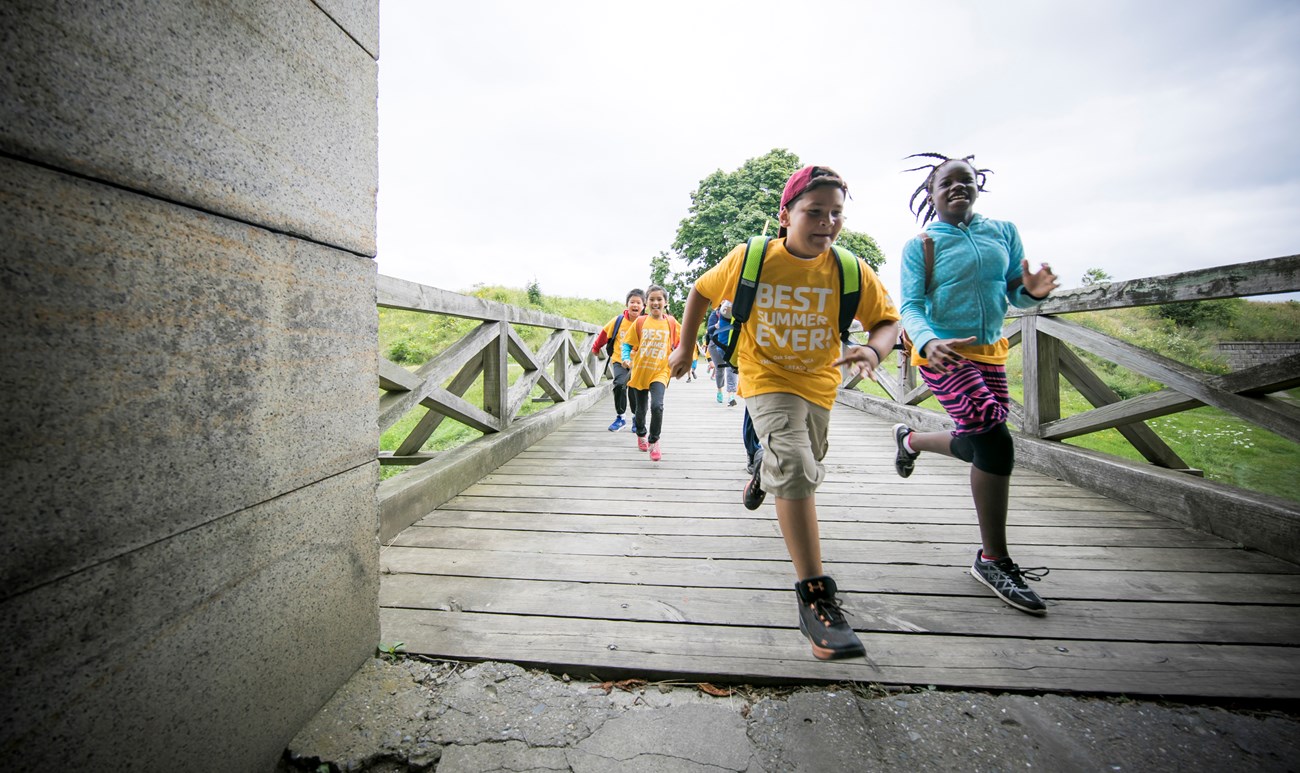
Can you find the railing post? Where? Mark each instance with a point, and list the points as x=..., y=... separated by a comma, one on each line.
x=1041, y=377
x=496, y=384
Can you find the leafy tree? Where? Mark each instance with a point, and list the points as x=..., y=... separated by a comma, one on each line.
x=534, y=293
x=728, y=208
x=661, y=274
x=1095, y=276
x=863, y=246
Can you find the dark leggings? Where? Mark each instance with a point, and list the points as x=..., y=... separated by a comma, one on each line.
x=620, y=388
x=653, y=398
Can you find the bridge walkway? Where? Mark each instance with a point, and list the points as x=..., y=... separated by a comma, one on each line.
x=581, y=556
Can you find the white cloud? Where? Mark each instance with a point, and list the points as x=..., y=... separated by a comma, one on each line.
x=561, y=141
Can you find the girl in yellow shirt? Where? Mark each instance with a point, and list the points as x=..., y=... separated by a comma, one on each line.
x=645, y=354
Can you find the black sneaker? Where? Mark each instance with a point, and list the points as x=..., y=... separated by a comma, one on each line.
x=1007, y=580
x=904, y=460
x=822, y=620
x=754, y=493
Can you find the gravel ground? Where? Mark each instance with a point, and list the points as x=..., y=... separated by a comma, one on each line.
x=416, y=715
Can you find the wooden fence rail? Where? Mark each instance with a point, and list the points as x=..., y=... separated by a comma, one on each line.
x=561, y=366
x=1045, y=339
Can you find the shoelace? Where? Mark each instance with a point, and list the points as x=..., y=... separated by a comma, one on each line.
x=1019, y=575
x=830, y=609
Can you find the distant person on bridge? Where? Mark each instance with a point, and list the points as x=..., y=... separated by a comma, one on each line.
x=958, y=277
x=788, y=353
x=723, y=374
x=611, y=337
x=645, y=352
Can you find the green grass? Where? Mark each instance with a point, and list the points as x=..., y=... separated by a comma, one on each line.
x=1226, y=448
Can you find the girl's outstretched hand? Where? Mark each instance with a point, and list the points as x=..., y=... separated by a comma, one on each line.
x=1039, y=284
x=939, y=354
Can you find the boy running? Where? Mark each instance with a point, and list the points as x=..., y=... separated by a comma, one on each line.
x=788, y=356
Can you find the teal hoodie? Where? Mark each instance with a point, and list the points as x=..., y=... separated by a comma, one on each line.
x=976, y=274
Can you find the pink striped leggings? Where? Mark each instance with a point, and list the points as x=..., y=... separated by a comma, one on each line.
x=973, y=393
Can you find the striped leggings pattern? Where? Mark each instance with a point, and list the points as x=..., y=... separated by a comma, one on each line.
x=973, y=393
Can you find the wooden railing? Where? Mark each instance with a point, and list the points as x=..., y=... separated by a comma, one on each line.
x=1042, y=335
x=557, y=367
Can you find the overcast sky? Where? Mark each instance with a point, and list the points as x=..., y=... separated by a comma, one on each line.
x=561, y=141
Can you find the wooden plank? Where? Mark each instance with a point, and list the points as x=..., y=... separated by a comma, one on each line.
x=753, y=654
x=826, y=513
x=1267, y=523
x=1269, y=414
x=868, y=551
x=954, y=579
x=1097, y=392
x=1239, y=280
x=1255, y=382
x=394, y=293
x=432, y=419
x=843, y=530
x=394, y=405
x=561, y=498
x=896, y=613
x=1042, y=388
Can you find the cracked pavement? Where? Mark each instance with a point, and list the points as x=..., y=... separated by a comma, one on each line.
x=448, y=717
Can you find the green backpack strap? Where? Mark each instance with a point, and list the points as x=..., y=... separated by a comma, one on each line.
x=850, y=288
x=747, y=287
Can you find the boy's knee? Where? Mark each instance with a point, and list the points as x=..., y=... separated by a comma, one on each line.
x=993, y=452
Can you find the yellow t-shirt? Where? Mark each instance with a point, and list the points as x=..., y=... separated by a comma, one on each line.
x=651, y=342
x=792, y=335
x=995, y=353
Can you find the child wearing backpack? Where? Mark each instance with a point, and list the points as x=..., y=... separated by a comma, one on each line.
x=958, y=277
x=612, y=337
x=645, y=353
x=723, y=374
x=788, y=352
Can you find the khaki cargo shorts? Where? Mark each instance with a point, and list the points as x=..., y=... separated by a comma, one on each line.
x=793, y=433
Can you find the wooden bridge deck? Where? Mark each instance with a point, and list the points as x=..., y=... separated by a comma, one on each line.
x=582, y=556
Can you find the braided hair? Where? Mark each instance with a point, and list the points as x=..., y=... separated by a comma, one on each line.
x=926, y=204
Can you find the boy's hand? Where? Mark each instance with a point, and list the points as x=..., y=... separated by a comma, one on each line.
x=939, y=354
x=679, y=362
x=1039, y=284
x=862, y=360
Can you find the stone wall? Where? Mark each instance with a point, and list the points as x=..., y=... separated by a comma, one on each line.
x=1248, y=354
x=187, y=356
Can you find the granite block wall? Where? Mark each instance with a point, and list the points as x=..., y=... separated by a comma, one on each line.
x=189, y=552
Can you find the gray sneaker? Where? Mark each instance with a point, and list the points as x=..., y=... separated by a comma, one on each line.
x=1007, y=580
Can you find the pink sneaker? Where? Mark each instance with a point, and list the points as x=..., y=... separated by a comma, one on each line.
x=642, y=444
x=655, y=455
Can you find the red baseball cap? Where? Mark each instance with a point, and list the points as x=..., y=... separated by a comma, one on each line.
x=798, y=183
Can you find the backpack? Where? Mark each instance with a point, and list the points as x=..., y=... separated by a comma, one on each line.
x=609, y=345
x=927, y=244
x=727, y=333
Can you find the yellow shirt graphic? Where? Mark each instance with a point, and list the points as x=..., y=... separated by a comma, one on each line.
x=651, y=342
x=792, y=335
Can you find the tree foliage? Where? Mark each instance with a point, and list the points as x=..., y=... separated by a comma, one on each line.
x=863, y=246
x=1095, y=276
x=730, y=207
